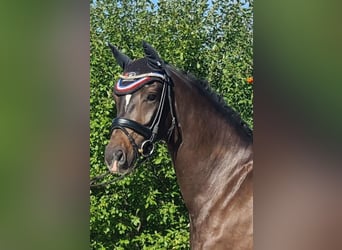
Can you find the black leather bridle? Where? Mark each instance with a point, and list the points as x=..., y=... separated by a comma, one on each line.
x=149, y=132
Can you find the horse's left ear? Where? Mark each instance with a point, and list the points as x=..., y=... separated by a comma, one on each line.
x=154, y=60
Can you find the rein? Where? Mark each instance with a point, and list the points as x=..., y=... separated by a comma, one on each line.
x=94, y=181
x=148, y=132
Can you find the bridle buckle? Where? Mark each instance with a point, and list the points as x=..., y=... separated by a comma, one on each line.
x=147, y=148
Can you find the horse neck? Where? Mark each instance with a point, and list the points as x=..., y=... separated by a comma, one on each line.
x=210, y=149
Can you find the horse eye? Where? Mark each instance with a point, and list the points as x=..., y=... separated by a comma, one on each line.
x=151, y=97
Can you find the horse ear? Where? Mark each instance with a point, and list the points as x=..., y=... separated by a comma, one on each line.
x=153, y=59
x=121, y=58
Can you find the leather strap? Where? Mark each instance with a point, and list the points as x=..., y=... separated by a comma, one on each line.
x=127, y=123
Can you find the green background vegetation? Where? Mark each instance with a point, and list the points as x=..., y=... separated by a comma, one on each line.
x=44, y=102
x=213, y=42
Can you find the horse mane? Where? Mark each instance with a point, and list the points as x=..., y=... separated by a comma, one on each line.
x=230, y=114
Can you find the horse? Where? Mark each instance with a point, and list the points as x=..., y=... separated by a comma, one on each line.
x=210, y=146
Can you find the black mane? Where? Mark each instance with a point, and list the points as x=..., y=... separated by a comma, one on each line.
x=232, y=116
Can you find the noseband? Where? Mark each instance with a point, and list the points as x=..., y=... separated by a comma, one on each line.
x=148, y=132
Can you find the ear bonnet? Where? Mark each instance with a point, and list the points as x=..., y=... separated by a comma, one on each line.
x=144, y=71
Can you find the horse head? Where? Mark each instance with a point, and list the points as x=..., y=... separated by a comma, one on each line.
x=143, y=115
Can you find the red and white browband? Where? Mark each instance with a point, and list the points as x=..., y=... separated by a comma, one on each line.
x=130, y=83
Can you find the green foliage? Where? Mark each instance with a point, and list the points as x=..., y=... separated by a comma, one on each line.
x=213, y=41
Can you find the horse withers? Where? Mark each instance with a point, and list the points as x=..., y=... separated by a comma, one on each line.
x=210, y=146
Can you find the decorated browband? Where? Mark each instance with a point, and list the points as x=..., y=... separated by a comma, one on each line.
x=130, y=82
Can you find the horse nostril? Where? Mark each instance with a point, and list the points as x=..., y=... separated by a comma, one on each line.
x=119, y=156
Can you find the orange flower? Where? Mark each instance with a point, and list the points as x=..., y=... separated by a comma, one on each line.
x=250, y=79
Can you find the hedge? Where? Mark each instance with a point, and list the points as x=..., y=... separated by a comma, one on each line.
x=212, y=40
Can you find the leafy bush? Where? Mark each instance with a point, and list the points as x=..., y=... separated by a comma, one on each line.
x=213, y=41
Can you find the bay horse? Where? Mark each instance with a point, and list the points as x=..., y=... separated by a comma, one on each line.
x=210, y=146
